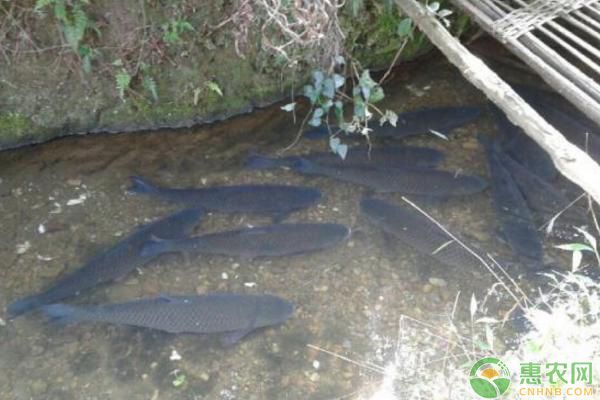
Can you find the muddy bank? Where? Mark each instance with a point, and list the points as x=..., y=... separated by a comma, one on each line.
x=116, y=66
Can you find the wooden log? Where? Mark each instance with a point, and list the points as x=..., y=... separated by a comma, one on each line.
x=570, y=160
x=569, y=81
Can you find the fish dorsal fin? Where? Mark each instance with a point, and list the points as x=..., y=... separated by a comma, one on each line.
x=166, y=298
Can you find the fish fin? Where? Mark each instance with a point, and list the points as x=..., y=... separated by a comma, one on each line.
x=167, y=298
x=229, y=339
x=139, y=185
x=62, y=314
x=23, y=305
x=256, y=161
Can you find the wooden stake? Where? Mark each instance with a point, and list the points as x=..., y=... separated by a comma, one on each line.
x=570, y=160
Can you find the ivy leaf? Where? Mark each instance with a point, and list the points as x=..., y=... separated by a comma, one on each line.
x=329, y=88
x=338, y=80
x=342, y=150
x=318, y=79
x=310, y=93
x=376, y=94
x=316, y=117
x=404, y=28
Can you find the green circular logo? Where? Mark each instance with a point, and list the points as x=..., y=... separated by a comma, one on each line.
x=489, y=378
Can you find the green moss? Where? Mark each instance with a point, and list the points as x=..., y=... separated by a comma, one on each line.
x=14, y=127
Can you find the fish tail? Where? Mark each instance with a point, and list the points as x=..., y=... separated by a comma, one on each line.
x=23, y=305
x=256, y=161
x=139, y=185
x=64, y=314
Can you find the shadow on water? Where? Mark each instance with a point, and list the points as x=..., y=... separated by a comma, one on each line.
x=62, y=201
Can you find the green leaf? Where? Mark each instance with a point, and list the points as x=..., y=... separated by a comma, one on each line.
x=150, y=85
x=328, y=88
x=404, y=28
x=318, y=79
x=376, y=94
x=574, y=247
x=366, y=80
x=316, y=117
x=342, y=150
x=338, y=80
x=213, y=86
x=123, y=80
x=310, y=93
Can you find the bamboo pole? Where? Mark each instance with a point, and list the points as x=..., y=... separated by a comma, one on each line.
x=571, y=161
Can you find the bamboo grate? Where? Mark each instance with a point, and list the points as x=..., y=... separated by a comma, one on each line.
x=559, y=39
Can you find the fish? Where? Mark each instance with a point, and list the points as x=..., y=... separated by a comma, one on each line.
x=439, y=119
x=571, y=123
x=522, y=148
x=232, y=315
x=418, y=232
x=112, y=263
x=319, y=132
x=275, y=200
x=384, y=156
x=517, y=226
x=267, y=241
x=408, y=180
x=545, y=100
x=539, y=194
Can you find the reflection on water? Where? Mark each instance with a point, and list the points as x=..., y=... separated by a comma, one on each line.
x=63, y=201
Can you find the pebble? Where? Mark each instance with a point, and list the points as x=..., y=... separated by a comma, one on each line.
x=204, y=376
x=439, y=282
x=314, y=377
x=74, y=182
x=427, y=288
x=23, y=247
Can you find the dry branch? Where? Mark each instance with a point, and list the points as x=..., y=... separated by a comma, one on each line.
x=571, y=161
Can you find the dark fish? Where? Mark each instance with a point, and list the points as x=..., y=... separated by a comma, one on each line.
x=269, y=241
x=276, y=200
x=440, y=119
x=416, y=181
x=515, y=218
x=539, y=194
x=543, y=99
x=418, y=232
x=522, y=148
x=574, y=126
x=112, y=263
x=234, y=315
x=319, y=132
x=385, y=156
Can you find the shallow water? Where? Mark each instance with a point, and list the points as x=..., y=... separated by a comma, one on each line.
x=62, y=201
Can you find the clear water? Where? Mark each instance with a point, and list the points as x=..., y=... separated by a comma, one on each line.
x=350, y=298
